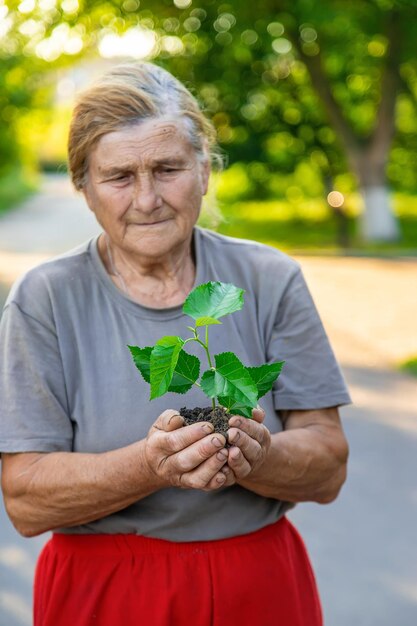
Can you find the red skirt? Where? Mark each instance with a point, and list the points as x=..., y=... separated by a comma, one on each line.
x=260, y=579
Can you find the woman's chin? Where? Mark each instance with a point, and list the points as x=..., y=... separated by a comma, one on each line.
x=154, y=247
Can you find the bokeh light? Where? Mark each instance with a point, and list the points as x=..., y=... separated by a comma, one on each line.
x=138, y=43
x=281, y=45
x=335, y=199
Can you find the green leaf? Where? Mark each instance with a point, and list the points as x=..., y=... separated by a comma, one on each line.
x=206, y=321
x=213, y=299
x=230, y=379
x=141, y=358
x=265, y=376
x=185, y=374
x=163, y=361
x=235, y=408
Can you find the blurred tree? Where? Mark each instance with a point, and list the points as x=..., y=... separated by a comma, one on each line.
x=308, y=88
x=287, y=80
x=26, y=74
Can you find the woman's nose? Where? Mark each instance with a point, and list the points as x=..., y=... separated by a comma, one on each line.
x=146, y=196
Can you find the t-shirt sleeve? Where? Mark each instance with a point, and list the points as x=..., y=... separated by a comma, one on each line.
x=311, y=377
x=33, y=405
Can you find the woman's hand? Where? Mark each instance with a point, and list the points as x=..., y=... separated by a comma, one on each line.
x=190, y=457
x=250, y=441
x=306, y=461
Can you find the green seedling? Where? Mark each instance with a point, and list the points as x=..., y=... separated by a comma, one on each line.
x=168, y=367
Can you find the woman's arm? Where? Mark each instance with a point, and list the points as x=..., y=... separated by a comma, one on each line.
x=305, y=462
x=43, y=491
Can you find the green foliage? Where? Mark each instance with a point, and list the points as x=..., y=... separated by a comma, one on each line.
x=292, y=88
x=213, y=300
x=167, y=367
x=164, y=358
x=186, y=372
x=231, y=383
x=410, y=366
x=264, y=376
x=142, y=359
x=15, y=186
x=309, y=226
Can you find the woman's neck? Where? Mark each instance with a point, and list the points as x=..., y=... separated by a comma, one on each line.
x=158, y=284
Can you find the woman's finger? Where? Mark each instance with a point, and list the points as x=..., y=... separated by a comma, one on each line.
x=193, y=456
x=253, y=429
x=253, y=440
x=238, y=463
x=207, y=475
x=258, y=414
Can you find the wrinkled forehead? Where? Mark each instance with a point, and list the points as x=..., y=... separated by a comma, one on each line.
x=149, y=141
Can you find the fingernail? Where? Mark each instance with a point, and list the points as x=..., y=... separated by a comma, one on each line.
x=237, y=422
x=222, y=455
x=175, y=415
x=235, y=436
x=220, y=478
x=217, y=442
x=208, y=428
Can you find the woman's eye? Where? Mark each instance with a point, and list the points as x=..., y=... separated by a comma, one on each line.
x=168, y=170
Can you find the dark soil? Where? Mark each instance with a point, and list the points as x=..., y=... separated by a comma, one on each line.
x=218, y=417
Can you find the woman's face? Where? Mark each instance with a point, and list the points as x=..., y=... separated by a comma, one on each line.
x=145, y=186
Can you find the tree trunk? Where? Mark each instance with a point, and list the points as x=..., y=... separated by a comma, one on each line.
x=367, y=159
x=378, y=221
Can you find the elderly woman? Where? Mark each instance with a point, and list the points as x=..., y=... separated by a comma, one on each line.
x=155, y=523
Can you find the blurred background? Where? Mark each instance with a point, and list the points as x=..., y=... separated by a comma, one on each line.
x=315, y=105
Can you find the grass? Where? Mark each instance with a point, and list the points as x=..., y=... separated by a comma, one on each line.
x=410, y=366
x=14, y=188
x=310, y=227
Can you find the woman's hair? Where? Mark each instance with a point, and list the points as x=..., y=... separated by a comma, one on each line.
x=126, y=95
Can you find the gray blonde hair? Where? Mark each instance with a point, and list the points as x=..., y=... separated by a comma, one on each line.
x=126, y=95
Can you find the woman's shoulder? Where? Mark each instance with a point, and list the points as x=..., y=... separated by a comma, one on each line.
x=248, y=254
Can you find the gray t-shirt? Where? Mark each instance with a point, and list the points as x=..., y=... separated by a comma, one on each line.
x=67, y=380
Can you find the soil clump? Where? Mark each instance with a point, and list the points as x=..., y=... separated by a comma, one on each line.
x=218, y=417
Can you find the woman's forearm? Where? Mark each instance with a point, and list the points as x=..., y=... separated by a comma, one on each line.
x=303, y=464
x=43, y=491
x=59, y=489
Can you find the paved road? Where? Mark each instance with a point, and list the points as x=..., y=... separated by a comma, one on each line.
x=364, y=545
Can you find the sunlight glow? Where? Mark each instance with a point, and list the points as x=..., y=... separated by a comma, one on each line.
x=136, y=42
x=275, y=29
x=3, y=12
x=249, y=37
x=47, y=5
x=63, y=40
x=173, y=45
x=70, y=6
x=5, y=22
x=335, y=199
x=30, y=28
x=281, y=45
x=182, y=4
x=377, y=47
x=26, y=6
x=65, y=89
